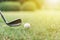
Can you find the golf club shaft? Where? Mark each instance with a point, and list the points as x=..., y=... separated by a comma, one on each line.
x=3, y=17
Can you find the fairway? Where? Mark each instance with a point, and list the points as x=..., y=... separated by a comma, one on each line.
x=45, y=25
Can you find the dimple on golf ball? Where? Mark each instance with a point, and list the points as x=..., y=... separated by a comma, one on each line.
x=27, y=25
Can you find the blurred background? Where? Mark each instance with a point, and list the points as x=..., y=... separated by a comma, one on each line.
x=20, y=5
x=29, y=5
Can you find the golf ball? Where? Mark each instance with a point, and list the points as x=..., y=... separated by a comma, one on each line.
x=27, y=25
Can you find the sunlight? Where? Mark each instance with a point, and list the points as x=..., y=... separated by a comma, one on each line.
x=52, y=1
x=52, y=4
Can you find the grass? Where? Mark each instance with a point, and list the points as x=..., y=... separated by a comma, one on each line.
x=45, y=25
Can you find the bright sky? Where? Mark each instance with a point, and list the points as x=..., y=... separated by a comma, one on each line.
x=52, y=4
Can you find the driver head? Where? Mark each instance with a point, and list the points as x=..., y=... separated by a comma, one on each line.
x=15, y=23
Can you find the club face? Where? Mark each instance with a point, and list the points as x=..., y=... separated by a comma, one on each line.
x=15, y=22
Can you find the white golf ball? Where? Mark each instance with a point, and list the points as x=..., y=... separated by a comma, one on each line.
x=27, y=25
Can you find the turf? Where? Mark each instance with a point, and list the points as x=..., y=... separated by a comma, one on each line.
x=45, y=25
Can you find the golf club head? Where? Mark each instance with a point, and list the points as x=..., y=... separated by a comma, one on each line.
x=15, y=23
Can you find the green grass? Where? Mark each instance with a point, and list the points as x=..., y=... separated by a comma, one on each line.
x=45, y=25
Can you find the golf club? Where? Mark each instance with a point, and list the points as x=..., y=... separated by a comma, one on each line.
x=13, y=23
